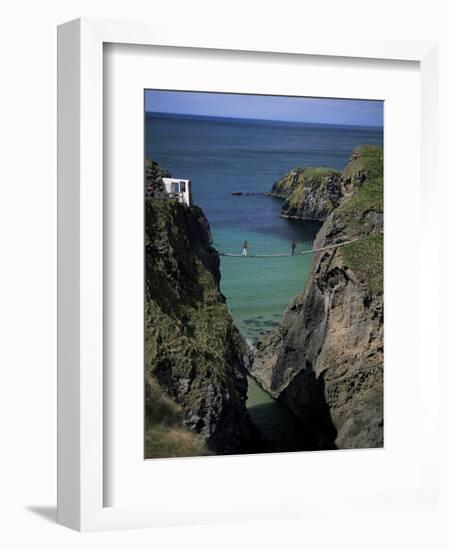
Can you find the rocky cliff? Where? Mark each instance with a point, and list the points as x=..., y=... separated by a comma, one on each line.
x=154, y=186
x=325, y=361
x=195, y=372
x=309, y=193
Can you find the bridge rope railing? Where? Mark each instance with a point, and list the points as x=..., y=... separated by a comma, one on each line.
x=262, y=251
x=257, y=251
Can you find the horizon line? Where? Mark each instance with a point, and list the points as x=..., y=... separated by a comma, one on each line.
x=263, y=119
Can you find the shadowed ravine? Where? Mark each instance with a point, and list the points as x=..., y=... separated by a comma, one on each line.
x=256, y=296
x=281, y=430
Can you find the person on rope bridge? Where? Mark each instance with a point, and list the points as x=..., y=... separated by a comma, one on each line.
x=245, y=248
x=293, y=245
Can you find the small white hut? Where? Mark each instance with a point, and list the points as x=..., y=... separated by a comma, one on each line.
x=179, y=189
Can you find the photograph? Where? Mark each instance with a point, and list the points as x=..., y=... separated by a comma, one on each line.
x=264, y=301
x=205, y=281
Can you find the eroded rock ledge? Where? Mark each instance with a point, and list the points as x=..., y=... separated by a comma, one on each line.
x=309, y=193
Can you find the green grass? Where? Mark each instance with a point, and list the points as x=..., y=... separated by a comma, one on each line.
x=368, y=195
x=365, y=258
x=165, y=434
x=169, y=442
x=317, y=172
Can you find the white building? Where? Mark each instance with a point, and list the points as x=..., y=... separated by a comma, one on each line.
x=179, y=189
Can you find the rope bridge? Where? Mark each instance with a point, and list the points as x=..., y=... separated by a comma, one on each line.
x=260, y=251
x=284, y=250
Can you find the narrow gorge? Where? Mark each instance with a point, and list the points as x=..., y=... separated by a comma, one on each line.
x=323, y=363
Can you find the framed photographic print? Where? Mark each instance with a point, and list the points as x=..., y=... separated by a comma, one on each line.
x=235, y=334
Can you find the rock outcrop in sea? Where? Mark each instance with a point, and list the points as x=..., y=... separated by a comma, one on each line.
x=325, y=360
x=309, y=193
x=195, y=373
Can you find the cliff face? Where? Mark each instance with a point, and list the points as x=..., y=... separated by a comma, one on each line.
x=325, y=361
x=310, y=193
x=154, y=186
x=194, y=355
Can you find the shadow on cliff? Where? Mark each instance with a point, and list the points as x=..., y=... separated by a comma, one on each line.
x=305, y=396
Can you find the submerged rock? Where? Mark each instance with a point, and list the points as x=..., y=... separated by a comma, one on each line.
x=325, y=360
x=247, y=194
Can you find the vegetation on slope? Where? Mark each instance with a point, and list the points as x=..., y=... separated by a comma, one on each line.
x=365, y=258
x=166, y=436
x=192, y=348
x=186, y=313
x=361, y=215
x=364, y=177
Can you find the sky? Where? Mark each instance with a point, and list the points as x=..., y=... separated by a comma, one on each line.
x=352, y=112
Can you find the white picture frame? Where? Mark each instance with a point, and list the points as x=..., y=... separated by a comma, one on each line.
x=81, y=405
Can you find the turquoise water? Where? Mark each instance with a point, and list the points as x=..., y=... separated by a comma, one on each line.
x=258, y=289
x=222, y=156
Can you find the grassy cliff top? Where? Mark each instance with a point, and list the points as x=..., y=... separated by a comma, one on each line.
x=365, y=173
x=362, y=215
x=316, y=173
x=365, y=259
